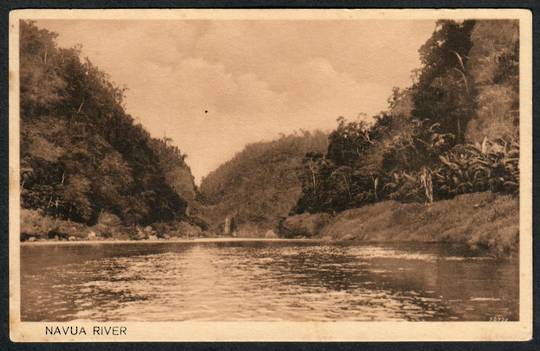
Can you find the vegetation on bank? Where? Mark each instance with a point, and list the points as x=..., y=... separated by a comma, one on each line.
x=83, y=158
x=454, y=131
x=89, y=171
x=481, y=220
x=260, y=184
x=37, y=226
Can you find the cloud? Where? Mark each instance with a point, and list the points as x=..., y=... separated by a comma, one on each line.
x=256, y=79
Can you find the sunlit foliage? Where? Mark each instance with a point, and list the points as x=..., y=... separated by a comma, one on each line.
x=81, y=153
x=454, y=131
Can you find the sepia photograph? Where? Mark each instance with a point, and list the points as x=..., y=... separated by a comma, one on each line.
x=270, y=175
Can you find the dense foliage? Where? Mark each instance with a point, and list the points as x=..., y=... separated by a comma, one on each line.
x=443, y=92
x=454, y=131
x=81, y=154
x=260, y=183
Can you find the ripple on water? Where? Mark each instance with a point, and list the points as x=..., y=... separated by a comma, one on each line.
x=265, y=282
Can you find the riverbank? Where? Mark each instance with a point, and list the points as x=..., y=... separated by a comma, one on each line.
x=481, y=220
x=161, y=241
x=36, y=226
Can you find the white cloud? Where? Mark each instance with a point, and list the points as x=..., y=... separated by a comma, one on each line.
x=256, y=79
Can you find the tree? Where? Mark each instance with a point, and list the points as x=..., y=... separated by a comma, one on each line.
x=348, y=142
x=81, y=152
x=262, y=182
x=443, y=92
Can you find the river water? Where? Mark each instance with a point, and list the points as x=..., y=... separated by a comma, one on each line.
x=264, y=281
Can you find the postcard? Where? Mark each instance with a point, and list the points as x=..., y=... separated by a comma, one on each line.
x=270, y=175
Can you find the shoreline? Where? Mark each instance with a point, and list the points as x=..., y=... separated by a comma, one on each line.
x=481, y=221
x=184, y=241
x=485, y=221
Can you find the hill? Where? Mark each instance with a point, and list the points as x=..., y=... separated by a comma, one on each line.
x=260, y=183
x=83, y=158
x=453, y=131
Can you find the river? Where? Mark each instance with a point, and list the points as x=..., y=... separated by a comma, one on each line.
x=264, y=281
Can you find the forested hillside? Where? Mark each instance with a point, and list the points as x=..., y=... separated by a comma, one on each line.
x=454, y=131
x=82, y=156
x=260, y=184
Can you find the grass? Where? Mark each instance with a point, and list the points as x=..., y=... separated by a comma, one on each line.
x=481, y=220
x=34, y=223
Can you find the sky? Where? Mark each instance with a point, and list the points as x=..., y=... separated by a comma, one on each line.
x=213, y=86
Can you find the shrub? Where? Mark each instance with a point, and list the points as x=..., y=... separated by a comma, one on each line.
x=35, y=224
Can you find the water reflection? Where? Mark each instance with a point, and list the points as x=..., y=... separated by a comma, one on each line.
x=264, y=281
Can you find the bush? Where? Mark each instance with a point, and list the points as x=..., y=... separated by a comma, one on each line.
x=35, y=224
x=109, y=226
x=177, y=229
